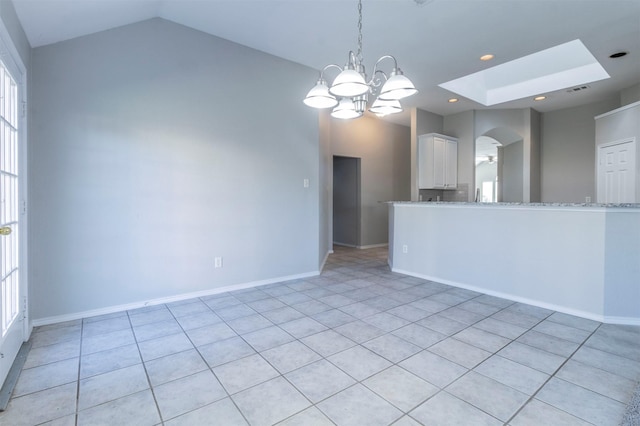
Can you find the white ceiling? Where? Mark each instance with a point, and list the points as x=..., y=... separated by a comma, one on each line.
x=434, y=42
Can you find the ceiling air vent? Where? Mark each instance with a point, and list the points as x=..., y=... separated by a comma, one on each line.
x=578, y=89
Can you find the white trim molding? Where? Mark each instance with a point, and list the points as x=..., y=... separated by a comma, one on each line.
x=177, y=298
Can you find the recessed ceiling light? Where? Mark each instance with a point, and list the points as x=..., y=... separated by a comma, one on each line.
x=539, y=98
x=487, y=57
x=452, y=100
x=618, y=55
x=559, y=67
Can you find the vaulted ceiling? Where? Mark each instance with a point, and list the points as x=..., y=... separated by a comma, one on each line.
x=433, y=40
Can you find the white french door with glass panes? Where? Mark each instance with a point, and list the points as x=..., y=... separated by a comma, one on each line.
x=13, y=329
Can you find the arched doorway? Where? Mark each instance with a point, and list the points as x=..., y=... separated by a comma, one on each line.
x=499, y=166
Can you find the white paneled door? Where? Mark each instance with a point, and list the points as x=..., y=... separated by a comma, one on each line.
x=12, y=301
x=617, y=172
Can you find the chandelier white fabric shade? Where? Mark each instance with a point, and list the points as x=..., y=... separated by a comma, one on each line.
x=349, y=93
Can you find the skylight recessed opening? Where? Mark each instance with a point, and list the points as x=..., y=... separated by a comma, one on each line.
x=566, y=65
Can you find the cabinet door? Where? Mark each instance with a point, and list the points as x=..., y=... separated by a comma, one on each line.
x=439, y=166
x=451, y=164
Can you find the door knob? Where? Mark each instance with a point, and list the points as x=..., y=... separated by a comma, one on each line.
x=5, y=230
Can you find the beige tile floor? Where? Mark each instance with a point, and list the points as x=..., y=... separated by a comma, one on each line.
x=357, y=345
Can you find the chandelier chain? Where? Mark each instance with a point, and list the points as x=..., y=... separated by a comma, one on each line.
x=359, y=54
x=350, y=91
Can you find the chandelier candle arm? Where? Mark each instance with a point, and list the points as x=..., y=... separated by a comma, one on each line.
x=319, y=96
x=349, y=92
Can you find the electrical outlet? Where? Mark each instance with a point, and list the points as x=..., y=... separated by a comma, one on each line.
x=305, y=183
x=405, y=248
x=217, y=262
x=587, y=199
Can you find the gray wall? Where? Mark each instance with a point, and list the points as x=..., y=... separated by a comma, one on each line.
x=325, y=225
x=385, y=153
x=535, y=152
x=155, y=148
x=511, y=179
x=346, y=195
x=622, y=255
x=558, y=147
x=14, y=28
x=630, y=95
x=568, y=155
x=462, y=126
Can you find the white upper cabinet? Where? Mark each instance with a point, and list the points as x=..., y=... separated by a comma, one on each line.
x=437, y=161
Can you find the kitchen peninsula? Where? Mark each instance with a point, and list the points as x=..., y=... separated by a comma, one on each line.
x=580, y=259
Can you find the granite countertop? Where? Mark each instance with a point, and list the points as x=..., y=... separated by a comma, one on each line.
x=609, y=205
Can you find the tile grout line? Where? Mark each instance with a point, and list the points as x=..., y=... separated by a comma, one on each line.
x=551, y=376
x=195, y=347
x=77, y=405
x=144, y=366
x=492, y=354
x=317, y=297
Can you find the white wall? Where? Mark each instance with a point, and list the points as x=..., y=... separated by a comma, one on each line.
x=579, y=260
x=155, y=148
x=384, y=150
x=568, y=155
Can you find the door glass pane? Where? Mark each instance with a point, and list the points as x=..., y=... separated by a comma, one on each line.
x=9, y=306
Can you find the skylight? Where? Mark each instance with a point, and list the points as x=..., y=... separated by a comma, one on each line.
x=566, y=65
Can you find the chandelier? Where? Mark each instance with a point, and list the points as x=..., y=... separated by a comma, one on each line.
x=349, y=93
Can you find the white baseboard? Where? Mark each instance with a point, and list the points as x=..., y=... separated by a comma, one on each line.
x=324, y=261
x=336, y=243
x=370, y=246
x=361, y=247
x=622, y=320
x=177, y=298
x=540, y=304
